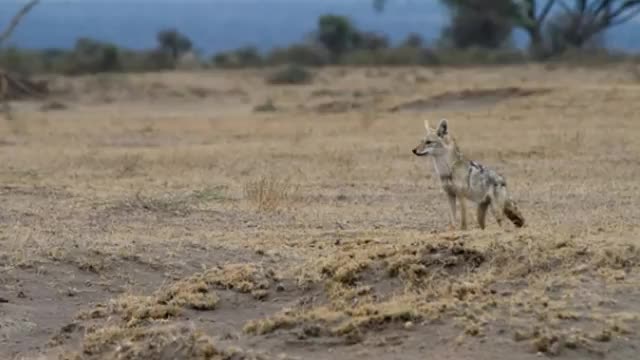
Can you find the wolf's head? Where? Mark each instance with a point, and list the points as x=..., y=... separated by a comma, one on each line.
x=435, y=142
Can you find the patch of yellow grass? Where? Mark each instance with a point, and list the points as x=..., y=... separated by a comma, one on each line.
x=269, y=193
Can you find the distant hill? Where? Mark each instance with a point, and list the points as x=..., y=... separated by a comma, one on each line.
x=216, y=25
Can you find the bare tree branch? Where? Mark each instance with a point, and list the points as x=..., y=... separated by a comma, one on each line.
x=545, y=11
x=587, y=18
x=624, y=19
x=16, y=20
x=566, y=7
x=626, y=6
x=581, y=5
x=599, y=6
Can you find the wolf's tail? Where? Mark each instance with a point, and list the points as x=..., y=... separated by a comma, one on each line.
x=509, y=207
x=512, y=213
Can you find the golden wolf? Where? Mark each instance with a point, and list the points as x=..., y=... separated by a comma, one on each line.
x=464, y=179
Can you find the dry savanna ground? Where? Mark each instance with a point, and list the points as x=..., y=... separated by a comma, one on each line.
x=212, y=216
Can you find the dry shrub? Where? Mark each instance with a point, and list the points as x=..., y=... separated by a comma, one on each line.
x=290, y=75
x=289, y=318
x=172, y=342
x=239, y=277
x=268, y=193
x=193, y=293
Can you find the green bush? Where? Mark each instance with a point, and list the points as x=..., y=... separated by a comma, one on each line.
x=23, y=62
x=243, y=57
x=480, y=56
x=290, y=75
x=337, y=34
x=300, y=54
x=591, y=57
x=413, y=40
x=91, y=57
x=370, y=41
x=173, y=42
x=393, y=56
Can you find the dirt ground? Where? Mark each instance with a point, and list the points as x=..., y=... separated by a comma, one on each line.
x=174, y=216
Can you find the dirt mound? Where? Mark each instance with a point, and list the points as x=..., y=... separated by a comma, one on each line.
x=466, y=99
x=439, y=258
x=432, y=260
x=160, y=343
x=147, y=343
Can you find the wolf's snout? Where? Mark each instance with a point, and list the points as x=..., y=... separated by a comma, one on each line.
x=414, y=151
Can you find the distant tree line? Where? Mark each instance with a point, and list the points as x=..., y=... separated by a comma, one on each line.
x=94, y=56
x=478, y=32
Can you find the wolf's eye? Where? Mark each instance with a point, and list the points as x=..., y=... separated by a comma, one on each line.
x=429, y=142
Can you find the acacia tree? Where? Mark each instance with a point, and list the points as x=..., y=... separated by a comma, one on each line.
x=528, y=15
x=476, y=26
x=174, y=43
x=590, y=17
x=337, y=34
x=578, y=25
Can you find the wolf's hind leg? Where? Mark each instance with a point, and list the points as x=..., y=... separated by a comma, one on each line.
x=497, y=213
x=482, y=213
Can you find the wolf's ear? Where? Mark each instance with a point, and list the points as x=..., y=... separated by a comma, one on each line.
x=427, y=127
x=443, y=128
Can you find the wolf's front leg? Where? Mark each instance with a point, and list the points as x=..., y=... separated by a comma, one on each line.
x=482, y=213
x=497, y=213
x=463, y=213
x=452, y=211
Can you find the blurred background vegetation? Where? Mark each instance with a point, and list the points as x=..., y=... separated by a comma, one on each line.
x=477, y=32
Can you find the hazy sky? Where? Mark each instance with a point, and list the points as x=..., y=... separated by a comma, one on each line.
x=216, y=25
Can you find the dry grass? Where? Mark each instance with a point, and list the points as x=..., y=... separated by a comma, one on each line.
x=162, y=216
x=533, y=280
x=168, y=342
x=268, y=193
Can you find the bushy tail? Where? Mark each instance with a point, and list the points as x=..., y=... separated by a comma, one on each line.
x=512, y=213
x=509, y=207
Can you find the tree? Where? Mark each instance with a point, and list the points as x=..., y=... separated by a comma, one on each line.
x=174, y=43
x=524, y=14
x=413, y=40
x=565, y=31
x=579, y=25
x=92, y=56
x=370, y=41
x=5, y=79
x=337, y=34
x=477, y=27
x=593, y=16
